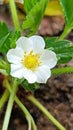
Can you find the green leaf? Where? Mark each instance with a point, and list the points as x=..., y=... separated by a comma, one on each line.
x=64, y=60
x=62, y=48
x=4, y=43
x=65, y=54
x=67, y=7
x=54, y=44
x=29, y=87
x=34, y=17
x=3, y=29
x=29, y=4
x=7, y=38
x=4, y=34
x=13, y=38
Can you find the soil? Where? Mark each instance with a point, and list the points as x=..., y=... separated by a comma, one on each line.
x=56, y=95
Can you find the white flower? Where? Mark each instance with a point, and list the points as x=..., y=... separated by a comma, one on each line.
x=30, y=60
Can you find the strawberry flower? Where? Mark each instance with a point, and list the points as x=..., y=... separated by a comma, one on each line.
x=30, y=59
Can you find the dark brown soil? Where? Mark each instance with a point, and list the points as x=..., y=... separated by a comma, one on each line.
x=56, y=95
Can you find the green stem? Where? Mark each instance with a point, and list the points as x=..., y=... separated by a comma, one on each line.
x=10, y=105
x=29, y=123
x=14, y=15
x=43, y=109
x=65, y=33
x=4, y=98
x=3, y=64
x=27, y=114
x=63, y=70
x=23, y=108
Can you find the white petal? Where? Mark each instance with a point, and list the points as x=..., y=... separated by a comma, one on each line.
x=38, y=43
x=49, y=58
x=15, y=55
x=43, y=73
x=30, y=76
x=25, y=44
x=17, y=71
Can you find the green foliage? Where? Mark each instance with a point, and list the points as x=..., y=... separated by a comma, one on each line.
x=29, y=87
x=62, y=48
x=7, y=38
x=65, y=54
x=67, y=7
x=3, y=29
x=13, y=38
x=35, y=16
x=4, y=36
x=4, y=43
x=29, y=4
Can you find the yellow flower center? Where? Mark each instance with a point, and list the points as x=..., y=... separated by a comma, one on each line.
x=31, y=61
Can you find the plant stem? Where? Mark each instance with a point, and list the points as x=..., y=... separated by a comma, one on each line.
x=65, y=32
x=9, y=107
x=14, y=15
x=63, y=70
x=29, y=123
x=23, y=108
x=45, y=111
x=27, y=114
x=4, y=98
x=3, y=65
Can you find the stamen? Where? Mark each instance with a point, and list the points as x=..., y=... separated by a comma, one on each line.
x=31, y=61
